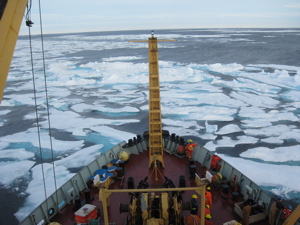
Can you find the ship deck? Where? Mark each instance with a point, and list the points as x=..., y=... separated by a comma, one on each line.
x=222, y=210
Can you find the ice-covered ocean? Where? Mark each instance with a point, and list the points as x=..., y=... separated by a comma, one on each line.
x=235, y=91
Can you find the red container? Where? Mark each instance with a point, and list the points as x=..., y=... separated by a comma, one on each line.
x=85, y=213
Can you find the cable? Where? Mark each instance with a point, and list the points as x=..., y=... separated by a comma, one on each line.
x=37, y=118
x=29, y=24
x=47, y=101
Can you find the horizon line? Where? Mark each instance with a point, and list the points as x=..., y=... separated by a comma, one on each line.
x=117, y=30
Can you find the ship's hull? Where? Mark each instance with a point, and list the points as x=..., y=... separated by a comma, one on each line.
x=62, y=205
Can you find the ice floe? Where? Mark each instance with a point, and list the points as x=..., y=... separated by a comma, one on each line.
x=229, y=142
x=279, y=154
x=270, y=175
x=14, y=170
x=77, y=160
x=228, y=129
x=42, y=185
x=16, y=154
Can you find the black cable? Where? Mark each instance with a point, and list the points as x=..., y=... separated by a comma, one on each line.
x=37, y=117
x=47, y=101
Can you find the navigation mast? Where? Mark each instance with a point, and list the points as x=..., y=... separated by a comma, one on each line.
x=156, y=147
x=155, y=124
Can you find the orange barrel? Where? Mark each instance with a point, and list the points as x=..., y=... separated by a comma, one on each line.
x=180, y=150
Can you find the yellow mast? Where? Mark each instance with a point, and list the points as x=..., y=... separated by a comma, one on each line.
x=155, y=125
x=11, y=15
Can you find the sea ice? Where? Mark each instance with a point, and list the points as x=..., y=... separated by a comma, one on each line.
x=228, y=129
x=113, y=133
x=225, y=68
x=180, y=123
x=190, y=94
x=269, y=174
x=229, y=142
x=181, y=131
x=73, y=122
x=255, y=100
x=280, y=154
x=210, y=128
x=270, y=131
x=271, y=140
x=291, y=95
x=4, y=112
x=31, y=136
x=121, y=58
x=81, y=157
x=293, y=134
x=14, y=170
x=3, y=145
x=38, y=186
x=16, y=154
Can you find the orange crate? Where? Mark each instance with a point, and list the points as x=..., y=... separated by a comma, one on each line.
x=85, y=213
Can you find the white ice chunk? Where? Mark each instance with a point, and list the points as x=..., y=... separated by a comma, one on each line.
x=111, y=132
x=280, y=77
x=121, y=58
x=271, y=140
x=4, y=112
x=31, y=135
x=74, y=123
x=225, y=68
x=255, y=99
x=180, y=123
x=81, y=158
x=255, y=123
x=228, y=142
x=271, y=131
x=17, y=154
x=208, y=136
x=291, y=95
x=280, y=154
x=269, y=174
x=14, y=170
x=260, y=114
x=82, y=107
x=210, y=113
x=3, y=144
x=228, y=129
x=36, y=188
x=182, y=131
x=210, y=129
x=290, y=134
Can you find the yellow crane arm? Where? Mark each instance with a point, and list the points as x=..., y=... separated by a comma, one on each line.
x=291, y=220
x=11, y=15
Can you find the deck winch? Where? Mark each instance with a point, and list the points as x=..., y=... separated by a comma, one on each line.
x=155, y=208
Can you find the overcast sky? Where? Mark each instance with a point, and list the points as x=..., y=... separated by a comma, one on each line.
x=64, y=16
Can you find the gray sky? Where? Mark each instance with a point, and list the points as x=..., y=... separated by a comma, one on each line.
x=63, y=16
